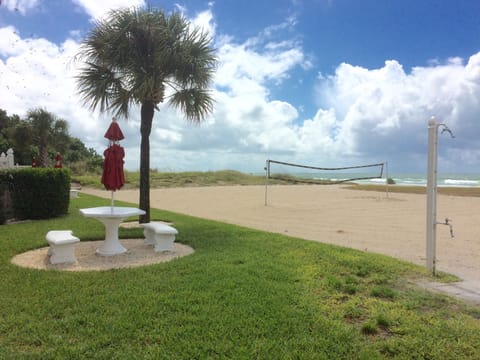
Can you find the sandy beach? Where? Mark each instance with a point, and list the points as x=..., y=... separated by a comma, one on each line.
x=363, y=220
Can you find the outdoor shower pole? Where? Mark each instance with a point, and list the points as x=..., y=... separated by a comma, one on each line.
x=433, y=126
x=432, y=193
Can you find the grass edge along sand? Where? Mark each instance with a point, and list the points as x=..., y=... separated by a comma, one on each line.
x=243, y=294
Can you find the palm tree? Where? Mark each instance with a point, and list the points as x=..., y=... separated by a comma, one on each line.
x=47, y=131
x=144, y=57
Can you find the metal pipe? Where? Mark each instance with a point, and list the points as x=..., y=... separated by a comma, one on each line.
x=433, y=126
x=267, y=173
x=432, y=193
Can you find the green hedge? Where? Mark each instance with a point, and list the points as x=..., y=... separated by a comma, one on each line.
x=6, y=205
x=38, y=193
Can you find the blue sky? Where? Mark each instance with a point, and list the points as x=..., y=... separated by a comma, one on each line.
x=320, y=82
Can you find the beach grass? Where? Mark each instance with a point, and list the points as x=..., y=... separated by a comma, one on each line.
x=182, y=179
x=243, y=294
x=160, y=179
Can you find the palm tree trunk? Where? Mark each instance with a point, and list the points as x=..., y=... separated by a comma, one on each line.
x=147, y=112
x=43, y=152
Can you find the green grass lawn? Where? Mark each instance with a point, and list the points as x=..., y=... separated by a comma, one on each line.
x=243, y=294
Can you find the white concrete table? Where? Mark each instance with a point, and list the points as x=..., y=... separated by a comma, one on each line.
x=111, y=217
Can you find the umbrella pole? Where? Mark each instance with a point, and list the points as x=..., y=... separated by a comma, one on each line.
x=112, y=202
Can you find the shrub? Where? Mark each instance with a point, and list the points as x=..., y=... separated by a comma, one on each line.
x=40, y=193
x=3, y=218
x=6, y=206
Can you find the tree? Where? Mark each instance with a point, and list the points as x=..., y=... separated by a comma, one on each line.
x=4, y=123
x=7, y=128
x=20, y=137
x=47, y=129
x=82, y=159
x=61, y=138
x=18, y=134
x=144, y=57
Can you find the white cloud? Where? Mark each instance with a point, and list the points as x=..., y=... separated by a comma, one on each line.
x=319, y=134
x=38, y=73
x=98, y=9
x=384, y=112
x=243, y=68
x=363, y=115
x=9, y=41
x=204, y=20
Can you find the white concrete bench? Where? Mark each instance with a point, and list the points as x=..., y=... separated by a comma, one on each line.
x=62, y=246
x=161, y=236
x=74, y=193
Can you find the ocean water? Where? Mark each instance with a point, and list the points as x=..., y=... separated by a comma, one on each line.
x=454, y=180
x=406, y=179
x=370, y=174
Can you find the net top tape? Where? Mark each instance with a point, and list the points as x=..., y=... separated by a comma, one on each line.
x=320, y=168
x=311, y=181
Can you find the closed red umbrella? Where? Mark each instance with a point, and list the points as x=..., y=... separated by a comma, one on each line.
x=113, y=177
x=114, y=132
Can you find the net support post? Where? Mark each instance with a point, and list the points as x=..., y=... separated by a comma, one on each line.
x=267, y=164
x=386, y=179
x=432, y=194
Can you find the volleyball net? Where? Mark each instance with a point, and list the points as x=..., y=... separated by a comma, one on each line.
x=297, y=173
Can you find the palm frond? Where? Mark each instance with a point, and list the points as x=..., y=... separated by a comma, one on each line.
x=195, y=103
x=133, y=54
